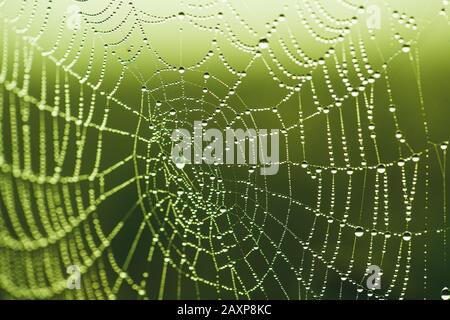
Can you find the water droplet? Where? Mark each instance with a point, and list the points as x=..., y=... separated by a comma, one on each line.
x=407, y=236
x=263, y=44
x=381, y=168
x=359, y=232
x=180, y=162
x=445, y=294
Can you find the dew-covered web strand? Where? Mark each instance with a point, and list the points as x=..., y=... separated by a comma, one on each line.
x=63, y=226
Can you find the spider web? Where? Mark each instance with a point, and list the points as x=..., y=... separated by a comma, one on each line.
x=89, y=100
